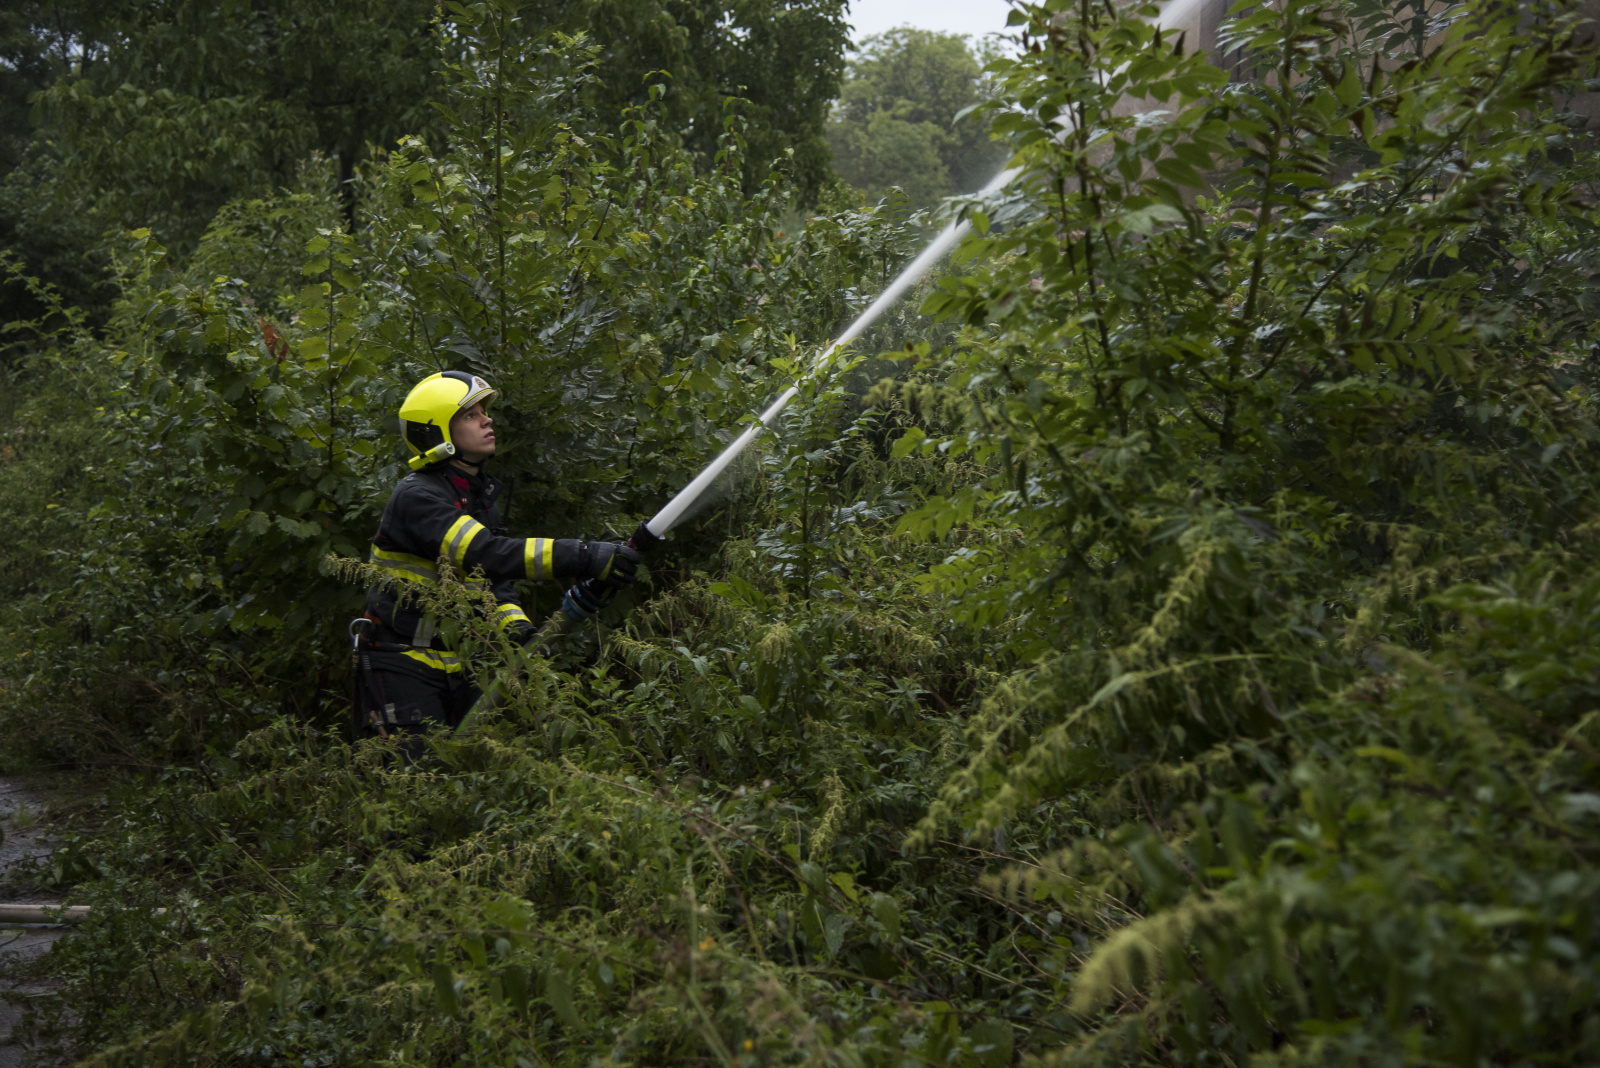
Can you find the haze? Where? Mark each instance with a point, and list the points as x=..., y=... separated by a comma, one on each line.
x=973, y=17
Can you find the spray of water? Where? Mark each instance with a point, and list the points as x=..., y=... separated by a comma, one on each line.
x=1174, y=14
x=685, y=499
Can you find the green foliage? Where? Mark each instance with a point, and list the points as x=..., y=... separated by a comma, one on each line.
x=1239, y=435
x=1410, y=882
x=269, y=443
x=782, y=60
x=1181, y=656
x=156, y=115
x=28, y=68
x=40, y=41
x=1245, y=438
x=901, y=118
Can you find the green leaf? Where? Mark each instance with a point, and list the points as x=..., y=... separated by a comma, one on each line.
x=812, y=877
x=1348, y=89
x=514, y=981
x=295, y=528
x=558, y=993
x=1180, y=173
x=445, y=989
x=992, y=1043
x=1144, y=220
x=887, y=912
x=1366, y=124
x=1194, y=154
x=907, y=442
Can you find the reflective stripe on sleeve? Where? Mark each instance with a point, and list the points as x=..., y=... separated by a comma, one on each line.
x=508, y=614
x=539, y=558
x=403, y=565
x=458, y=539
x=438, y=659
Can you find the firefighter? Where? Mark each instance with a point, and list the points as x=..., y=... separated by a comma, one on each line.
x=408, y=680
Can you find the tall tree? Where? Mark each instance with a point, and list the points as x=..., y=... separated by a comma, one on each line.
x=40, y=42
x=895, y=124
x=188, y=104
x=194, y=102
x=783, y=58
x=158, y=113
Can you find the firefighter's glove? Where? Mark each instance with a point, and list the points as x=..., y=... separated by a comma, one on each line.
x=611, y=563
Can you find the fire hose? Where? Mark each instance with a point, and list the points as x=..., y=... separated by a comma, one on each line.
x=588, y=597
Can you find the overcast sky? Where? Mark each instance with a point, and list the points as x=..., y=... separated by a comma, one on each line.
x=975, y=17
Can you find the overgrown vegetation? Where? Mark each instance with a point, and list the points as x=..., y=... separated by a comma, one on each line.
x=157, y=114
x=1181, y=654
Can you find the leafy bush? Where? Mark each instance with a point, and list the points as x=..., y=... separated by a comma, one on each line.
x=244, y=451
x=1187, y=661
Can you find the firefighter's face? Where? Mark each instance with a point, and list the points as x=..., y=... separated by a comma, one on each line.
x=473, y=432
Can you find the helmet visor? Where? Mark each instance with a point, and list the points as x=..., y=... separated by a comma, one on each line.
x=478, y=391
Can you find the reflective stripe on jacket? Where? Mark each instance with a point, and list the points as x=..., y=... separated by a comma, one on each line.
x=441, y=512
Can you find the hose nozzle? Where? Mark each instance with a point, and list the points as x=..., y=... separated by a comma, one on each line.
x=644, y=539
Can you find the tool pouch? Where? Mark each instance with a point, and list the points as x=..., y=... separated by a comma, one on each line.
x=379, y=701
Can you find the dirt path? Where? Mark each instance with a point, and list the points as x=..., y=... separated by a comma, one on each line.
x=22, y=845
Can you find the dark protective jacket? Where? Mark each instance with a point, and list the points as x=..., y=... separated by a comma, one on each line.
x=444, y=512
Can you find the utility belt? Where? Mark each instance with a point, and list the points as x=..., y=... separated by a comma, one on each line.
x=403, y=689
x=370, y=632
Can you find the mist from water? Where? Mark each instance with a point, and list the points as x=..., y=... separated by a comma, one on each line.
x=680, y=504
x=1172, y=15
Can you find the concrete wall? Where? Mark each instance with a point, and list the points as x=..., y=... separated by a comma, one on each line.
x=1201, y=19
